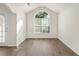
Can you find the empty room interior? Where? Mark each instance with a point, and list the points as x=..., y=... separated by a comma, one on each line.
x=39, y=29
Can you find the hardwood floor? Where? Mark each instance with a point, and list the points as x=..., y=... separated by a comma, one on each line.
x=38, y=47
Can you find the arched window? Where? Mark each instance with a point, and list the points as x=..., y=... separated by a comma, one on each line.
x=41, y=22
x=2, y=28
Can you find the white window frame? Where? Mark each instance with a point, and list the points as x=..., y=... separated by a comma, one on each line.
x=42, y=23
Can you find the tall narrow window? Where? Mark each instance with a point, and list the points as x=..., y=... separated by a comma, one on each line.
x=41, y=22
x=2, y=29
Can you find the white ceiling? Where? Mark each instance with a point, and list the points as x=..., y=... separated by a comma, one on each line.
x=56, y=7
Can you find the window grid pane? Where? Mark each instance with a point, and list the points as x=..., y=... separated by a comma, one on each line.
x=38, y=21
x=42, y=29
x=41, y=25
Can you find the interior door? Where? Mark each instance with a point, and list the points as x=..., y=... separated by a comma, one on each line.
x=2, y=29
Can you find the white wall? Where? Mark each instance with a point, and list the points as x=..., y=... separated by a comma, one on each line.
x=4, y=8
x=21, y=34
x=10, y=26
x=12, y=17
x=20, y=19
x=52, y=21
x=10, y=29
x=69, y=27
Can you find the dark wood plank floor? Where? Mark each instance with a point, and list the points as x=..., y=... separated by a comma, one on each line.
x=38, y=47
